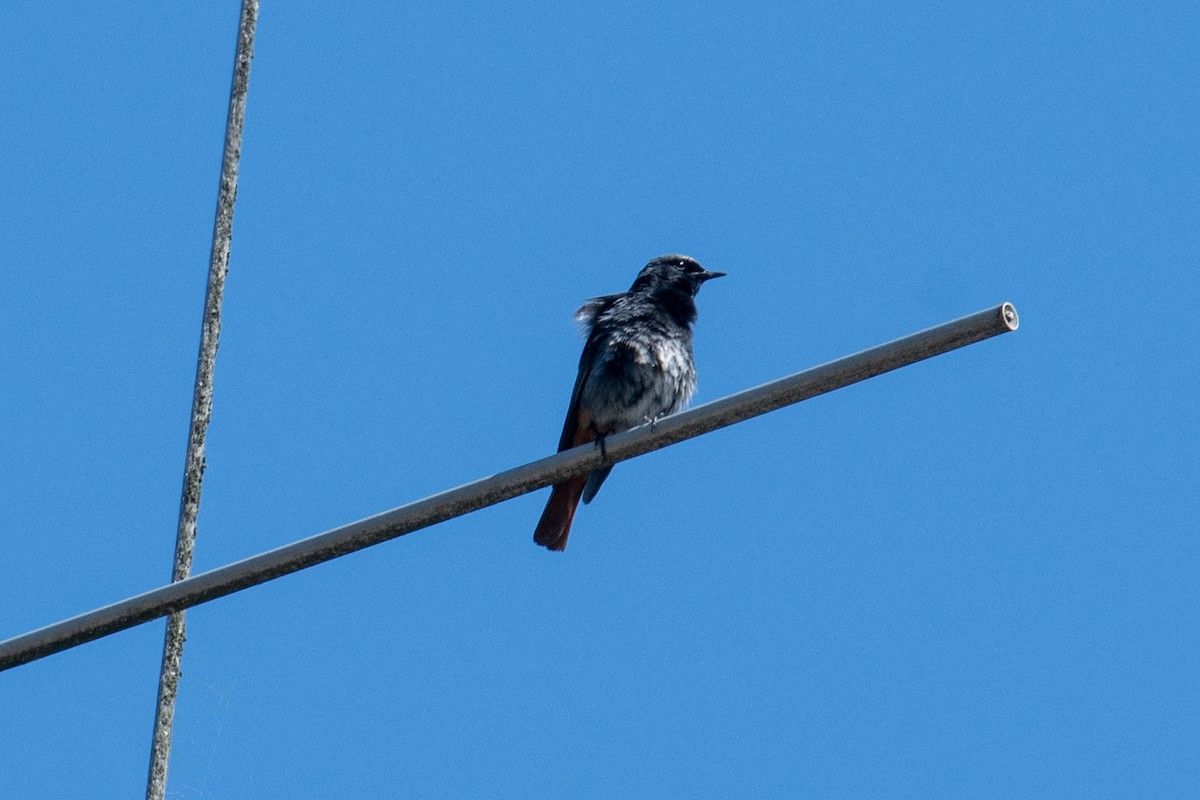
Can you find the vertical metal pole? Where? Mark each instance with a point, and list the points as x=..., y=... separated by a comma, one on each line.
x=210, y=331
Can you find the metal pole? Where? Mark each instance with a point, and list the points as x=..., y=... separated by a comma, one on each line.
x=210, y=332
x=497, y=488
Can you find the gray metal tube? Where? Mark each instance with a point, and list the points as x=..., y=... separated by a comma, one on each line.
x=505, y=485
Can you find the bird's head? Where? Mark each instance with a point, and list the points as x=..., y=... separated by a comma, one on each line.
x=680, y=273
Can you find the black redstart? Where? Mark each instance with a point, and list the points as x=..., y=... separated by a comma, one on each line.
x=636, y=367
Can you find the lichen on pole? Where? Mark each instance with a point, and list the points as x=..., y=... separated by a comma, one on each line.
x=202, y=396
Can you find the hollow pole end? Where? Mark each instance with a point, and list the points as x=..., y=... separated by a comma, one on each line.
x=1008, y=313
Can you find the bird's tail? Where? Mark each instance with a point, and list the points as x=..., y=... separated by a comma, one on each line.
x=555, y=525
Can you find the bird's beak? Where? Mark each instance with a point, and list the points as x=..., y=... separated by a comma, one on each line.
x=708, y=276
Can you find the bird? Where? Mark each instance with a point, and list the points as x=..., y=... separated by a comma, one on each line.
x=637, y=367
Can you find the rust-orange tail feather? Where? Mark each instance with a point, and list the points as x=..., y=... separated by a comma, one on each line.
x=555, y=525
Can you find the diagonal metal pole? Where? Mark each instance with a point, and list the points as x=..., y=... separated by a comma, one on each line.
x=505, y=485
x=210, y=332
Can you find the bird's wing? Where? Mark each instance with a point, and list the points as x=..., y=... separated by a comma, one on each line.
x=586, y=316
x=591, y=309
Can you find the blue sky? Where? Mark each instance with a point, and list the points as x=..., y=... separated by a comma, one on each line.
x=975, y=577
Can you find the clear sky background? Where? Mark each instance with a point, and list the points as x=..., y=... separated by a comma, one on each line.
x=975, y=577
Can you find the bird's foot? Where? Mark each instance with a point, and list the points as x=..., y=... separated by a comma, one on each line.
x=603, y=450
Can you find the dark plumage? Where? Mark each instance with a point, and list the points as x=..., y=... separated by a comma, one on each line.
x=636, y=367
